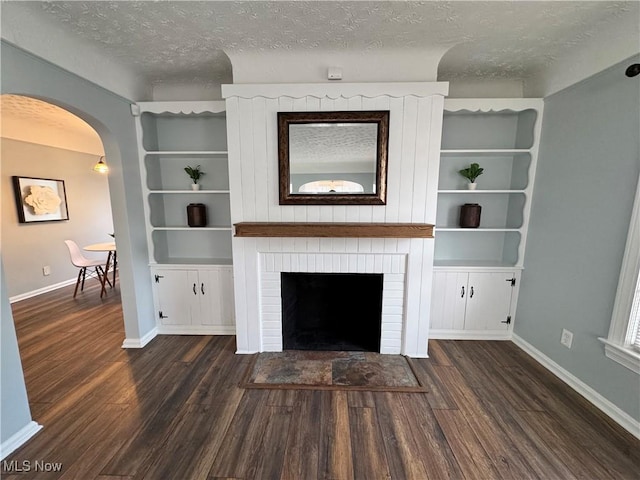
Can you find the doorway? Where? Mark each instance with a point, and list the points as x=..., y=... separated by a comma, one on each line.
x=43, y=141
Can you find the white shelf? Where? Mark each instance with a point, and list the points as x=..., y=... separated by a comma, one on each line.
x=183, y=228
x=468, y=265
x=483, y=152
x=475, y=230
x=478, y=192
x=195, y=192
x=182, y=261
x=172, y=135
x=502, y=135
x=186, y=152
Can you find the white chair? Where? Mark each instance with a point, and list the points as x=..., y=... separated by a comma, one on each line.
x=80, y=261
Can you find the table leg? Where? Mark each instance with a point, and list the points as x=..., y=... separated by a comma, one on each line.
x=105, y=274
x=115, y=266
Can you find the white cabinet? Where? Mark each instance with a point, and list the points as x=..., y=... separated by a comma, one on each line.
x=474, y=268
x=473, y=304
x=194, y=300
x=190, y=266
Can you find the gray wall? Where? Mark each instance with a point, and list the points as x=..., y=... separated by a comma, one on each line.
x=28, y=247
x=14, y=408
x=110, y=116
x=586, y=180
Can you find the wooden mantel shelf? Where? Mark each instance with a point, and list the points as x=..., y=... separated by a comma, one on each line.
x=354, y=230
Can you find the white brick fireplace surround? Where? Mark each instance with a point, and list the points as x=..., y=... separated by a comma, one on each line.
x=415, y=127
x=392, y=266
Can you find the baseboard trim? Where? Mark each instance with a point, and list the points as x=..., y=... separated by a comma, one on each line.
x=197, y=330
x=140, y=342
x=607, y=407
x=40, y=291
x=468, y=335
x=18, y=439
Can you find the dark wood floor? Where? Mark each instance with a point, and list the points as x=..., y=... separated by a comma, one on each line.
x=173, y=411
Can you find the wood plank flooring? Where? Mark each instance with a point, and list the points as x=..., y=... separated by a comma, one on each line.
x=173, y=410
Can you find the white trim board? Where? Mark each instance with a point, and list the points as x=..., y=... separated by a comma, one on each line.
x=335, y=90
x=18, y=439
x=40, y=291
x=608, y=408
x=140, y=342
x=196, y=330
x=468, y=335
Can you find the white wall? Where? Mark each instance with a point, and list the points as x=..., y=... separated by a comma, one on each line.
x=29, y=247
x=414, y=143
x=110, y=116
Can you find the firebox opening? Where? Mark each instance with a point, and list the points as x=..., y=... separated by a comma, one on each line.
x=331, y=311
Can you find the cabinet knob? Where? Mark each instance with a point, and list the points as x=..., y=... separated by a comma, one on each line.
x=202, y=288
x=195, y=292
x=462, y=292
x=471, y=293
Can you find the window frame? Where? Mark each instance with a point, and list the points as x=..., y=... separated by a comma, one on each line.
x=619, y=343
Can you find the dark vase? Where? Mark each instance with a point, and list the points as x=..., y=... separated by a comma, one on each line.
x=470, y=215
x=197, y=215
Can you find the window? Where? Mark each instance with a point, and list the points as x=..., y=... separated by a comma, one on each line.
x=332, y=186
x=634, y=319
x=623, y=342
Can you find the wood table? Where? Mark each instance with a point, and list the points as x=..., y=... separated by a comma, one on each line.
x=109, y=247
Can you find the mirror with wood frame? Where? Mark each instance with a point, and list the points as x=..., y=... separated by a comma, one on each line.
x=333, y=158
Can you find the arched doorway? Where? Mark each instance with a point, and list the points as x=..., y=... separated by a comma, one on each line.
x=43, y=141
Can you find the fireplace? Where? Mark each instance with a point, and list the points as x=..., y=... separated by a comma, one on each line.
x=388, y=239
x=390, y=269
x=331, y=311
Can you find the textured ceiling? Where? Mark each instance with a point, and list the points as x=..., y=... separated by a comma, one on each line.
x=17, y=107
x=333, y=148
x=34, y=121
x=183, y=40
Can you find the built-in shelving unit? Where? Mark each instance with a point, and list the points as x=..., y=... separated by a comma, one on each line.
x=477, y=270
x=172, y=135
x=190, y=266
x=502, y=136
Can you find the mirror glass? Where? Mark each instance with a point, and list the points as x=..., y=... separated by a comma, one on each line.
x=333, y=157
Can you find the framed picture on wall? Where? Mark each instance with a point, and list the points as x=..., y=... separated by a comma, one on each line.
x=40, y=199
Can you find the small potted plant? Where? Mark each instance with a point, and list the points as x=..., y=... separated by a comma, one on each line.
x=194, y=173
x=472, y=172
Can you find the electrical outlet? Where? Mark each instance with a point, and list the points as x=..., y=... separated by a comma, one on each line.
x=567, y=338
x=46, y=270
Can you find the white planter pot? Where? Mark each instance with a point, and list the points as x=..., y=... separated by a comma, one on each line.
x=472, y=186
x=195, y=186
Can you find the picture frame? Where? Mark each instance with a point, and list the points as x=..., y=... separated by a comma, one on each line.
x=40, y=199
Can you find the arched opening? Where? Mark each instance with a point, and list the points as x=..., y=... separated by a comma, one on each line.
x=41, y=140
x=42, y=144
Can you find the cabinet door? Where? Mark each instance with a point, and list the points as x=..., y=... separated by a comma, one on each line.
x=174, y=297
x=448, y=300
x=227, y=297
x=216, y=297
x=488, y=301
